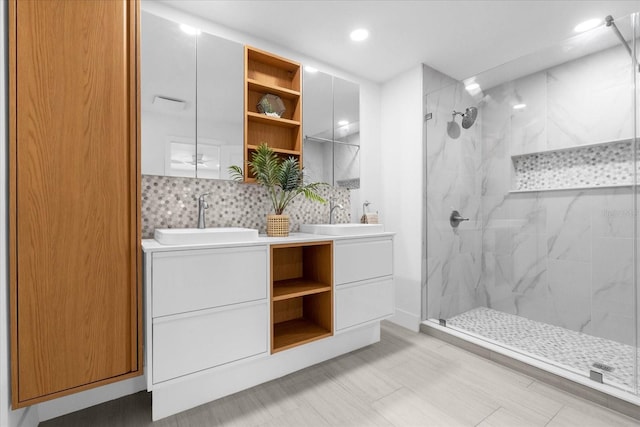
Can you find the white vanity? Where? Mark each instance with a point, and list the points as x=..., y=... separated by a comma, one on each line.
x=224, y=317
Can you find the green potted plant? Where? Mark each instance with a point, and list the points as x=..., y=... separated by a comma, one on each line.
x=283, y=179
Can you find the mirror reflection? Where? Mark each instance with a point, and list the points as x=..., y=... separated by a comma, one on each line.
x=346, y=114
x=220, y=110
x=168, y=98
x=317, y=113
x=332, y=129
x=191, y=101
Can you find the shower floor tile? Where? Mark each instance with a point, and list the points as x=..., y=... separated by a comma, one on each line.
x=560, y=346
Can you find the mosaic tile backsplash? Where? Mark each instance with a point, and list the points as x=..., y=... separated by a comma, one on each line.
x=171, y=202
x=603, y=165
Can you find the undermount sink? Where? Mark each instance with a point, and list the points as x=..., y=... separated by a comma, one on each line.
x=185, y=236
x=342, y=229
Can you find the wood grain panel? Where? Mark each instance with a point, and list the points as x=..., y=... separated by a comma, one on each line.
x=286, y=263
x=318, y=308
x=287, y=309
x=76, y=178
x=318, y=263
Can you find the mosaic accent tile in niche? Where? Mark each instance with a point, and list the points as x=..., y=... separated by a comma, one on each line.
x=580, y=167
x=171, y=202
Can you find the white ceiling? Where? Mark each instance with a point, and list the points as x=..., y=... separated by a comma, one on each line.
x=458, y=38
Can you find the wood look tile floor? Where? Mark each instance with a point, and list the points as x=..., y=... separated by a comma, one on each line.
x=407, y=379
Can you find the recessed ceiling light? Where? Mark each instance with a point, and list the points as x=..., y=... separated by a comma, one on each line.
x=189, y=30
x=519, y=106
x=359, y=35
x=343, y=122
x=310, y=69
x=587, y=25
x=472, y=86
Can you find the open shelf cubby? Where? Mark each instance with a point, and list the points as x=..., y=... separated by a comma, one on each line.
x=266, y=73
x=301, y=293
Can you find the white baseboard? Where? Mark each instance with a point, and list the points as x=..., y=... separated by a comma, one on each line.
x=406, y=320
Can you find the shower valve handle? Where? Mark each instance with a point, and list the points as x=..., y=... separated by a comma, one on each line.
x=455, y=219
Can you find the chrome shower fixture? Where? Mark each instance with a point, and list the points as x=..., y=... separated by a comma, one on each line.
x=609, y=22
x=468, y=117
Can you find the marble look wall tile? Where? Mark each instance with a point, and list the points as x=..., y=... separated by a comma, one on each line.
x=497, y=278
x=494, y=208
x=529, y=124
x=496, y=176
x=569, y=226
x=612, y=272
x=570, y=293
x=532, y=297
x=590, y=100
x=529, y=260
x=171, y=202
x=613, y=213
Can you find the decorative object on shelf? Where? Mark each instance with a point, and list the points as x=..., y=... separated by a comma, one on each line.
x=284, y=181
x=271, y=105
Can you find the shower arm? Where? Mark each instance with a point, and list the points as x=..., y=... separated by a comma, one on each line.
x=609, y=23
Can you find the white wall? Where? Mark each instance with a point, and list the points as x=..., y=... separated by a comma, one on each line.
x=401, y=175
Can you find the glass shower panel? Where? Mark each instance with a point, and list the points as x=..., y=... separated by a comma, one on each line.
x=452, y=183
x=546, y=264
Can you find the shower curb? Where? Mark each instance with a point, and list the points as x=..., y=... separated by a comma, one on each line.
x=580, y=390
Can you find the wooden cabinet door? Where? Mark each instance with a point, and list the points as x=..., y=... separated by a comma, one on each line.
x=74, y=196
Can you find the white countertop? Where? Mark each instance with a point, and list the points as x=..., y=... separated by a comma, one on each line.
x=151, y=245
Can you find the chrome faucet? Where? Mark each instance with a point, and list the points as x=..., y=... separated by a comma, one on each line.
x=202, y=205
x=332, y=207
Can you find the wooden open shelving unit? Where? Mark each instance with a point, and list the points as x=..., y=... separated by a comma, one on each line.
x=266, y=73
x=301, y=293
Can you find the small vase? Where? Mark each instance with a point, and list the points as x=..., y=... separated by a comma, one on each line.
x=277, y=225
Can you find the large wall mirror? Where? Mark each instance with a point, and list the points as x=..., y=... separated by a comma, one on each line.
x=331, y=122
x=192, y=92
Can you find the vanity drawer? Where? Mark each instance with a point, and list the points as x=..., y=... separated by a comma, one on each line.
x=362, y=259
x=191, y=342
x=364, y=302
x=191, y=280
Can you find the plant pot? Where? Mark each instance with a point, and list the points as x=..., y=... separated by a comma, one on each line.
x=277, y=225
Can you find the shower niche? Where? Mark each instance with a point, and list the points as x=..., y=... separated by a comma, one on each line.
x=590, y=166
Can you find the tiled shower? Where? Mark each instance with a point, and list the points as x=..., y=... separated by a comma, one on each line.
x=547, y=264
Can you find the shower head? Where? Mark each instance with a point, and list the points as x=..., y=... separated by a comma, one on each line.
x=468, y=119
